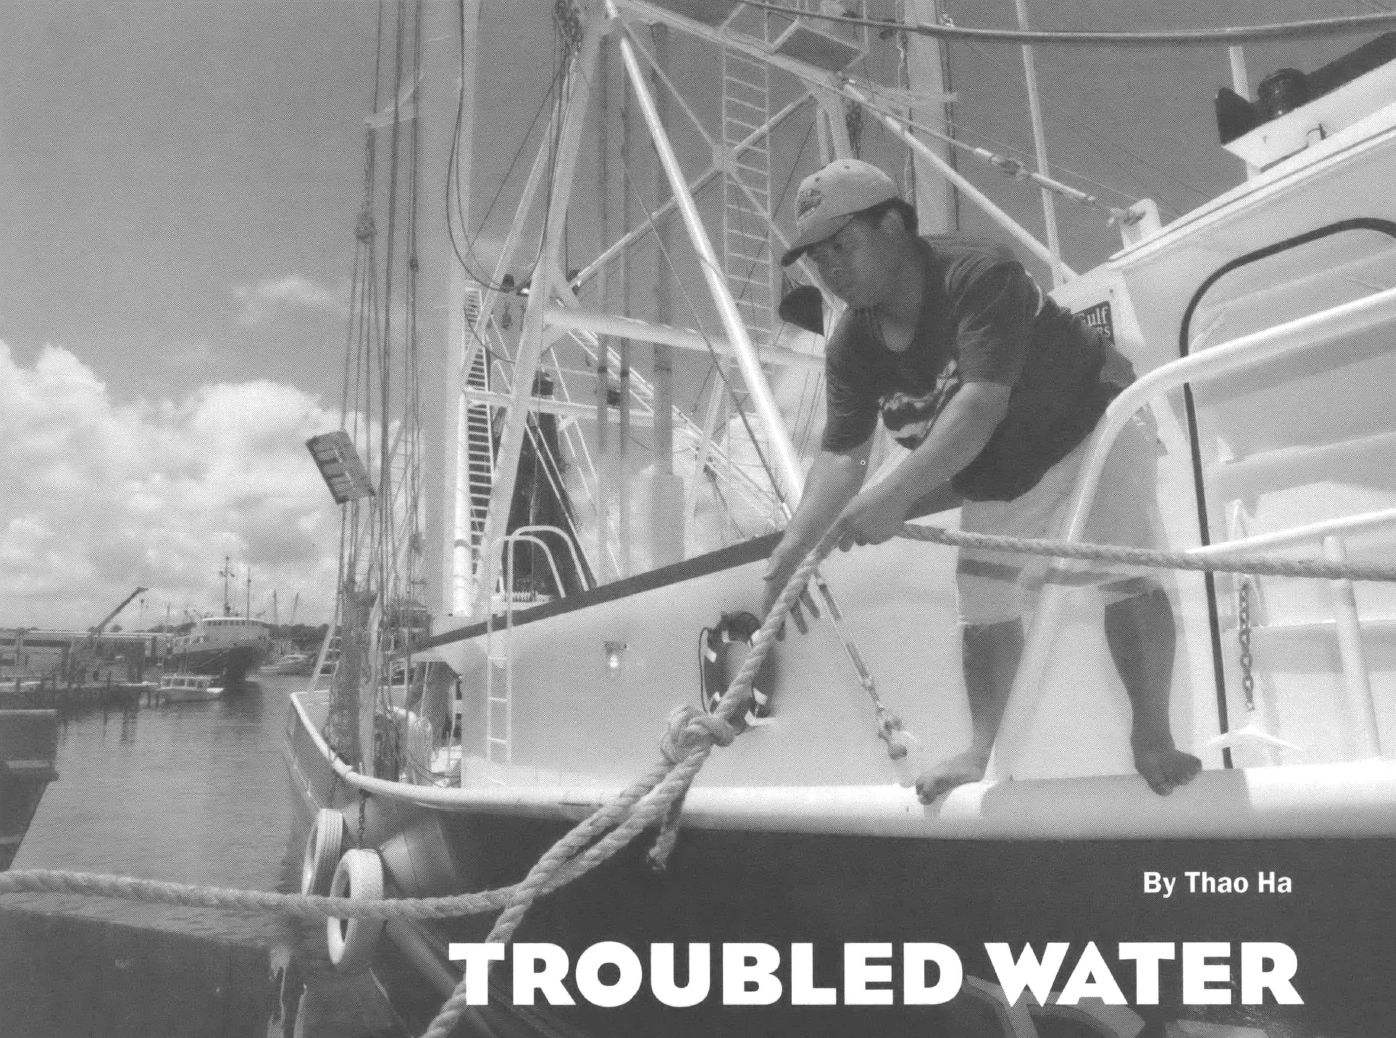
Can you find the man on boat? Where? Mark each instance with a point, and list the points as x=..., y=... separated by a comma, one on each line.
x=994, y=389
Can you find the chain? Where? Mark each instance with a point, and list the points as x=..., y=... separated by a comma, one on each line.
x=1243, y=633
x=363, y=801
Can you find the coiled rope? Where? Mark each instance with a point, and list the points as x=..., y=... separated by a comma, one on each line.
x=657, y=797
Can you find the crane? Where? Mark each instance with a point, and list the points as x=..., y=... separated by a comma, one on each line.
x=82, y=652
x=94, y=632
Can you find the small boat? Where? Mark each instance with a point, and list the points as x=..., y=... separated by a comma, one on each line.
x=188, y=688
x=291, y=663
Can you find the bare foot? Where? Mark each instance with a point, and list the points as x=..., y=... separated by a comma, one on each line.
x=957, y=771
x=1163, y=766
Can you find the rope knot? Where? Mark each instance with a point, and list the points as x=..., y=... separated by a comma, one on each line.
x=691, y=729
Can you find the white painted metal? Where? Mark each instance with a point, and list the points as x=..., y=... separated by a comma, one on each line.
x=1350, y=799
x=467, y=565
x=1294, y=337
x=454, y=559
x=935, y=203
x=1039, y=140
x=576, y=319
x=789, y=473
x=1299, y=534
x=1357, y=686
x=982, y=200
x=545, y=276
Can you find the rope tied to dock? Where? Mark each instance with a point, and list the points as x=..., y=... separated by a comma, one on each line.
x=655, y=799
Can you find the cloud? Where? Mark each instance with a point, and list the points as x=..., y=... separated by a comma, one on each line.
x=265, y=300
x=101, y=497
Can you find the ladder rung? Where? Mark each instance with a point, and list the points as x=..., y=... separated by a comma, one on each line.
x=736, y=102
x=733, y=232
x=757, y=93
x=763, y=171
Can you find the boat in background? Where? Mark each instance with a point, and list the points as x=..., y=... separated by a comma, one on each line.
x=28, y=748
x=450, y=760
x=188, y=688
x=291, y=663
x=228, y=647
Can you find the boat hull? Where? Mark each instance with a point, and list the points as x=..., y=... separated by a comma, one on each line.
x=1328, y=899
x=28, y=747
x=232, y=664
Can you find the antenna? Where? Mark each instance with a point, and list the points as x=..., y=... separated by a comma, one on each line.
x=225, y=573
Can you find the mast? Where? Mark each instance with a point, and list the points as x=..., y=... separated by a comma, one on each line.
x=788, y=473
x=447, y=89
x=603, y=342
x=225, y=573
x=666, y=492
x=927, y=73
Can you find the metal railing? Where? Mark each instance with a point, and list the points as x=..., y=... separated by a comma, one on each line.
x=1293, y=337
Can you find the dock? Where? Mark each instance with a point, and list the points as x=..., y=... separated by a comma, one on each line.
x=28, y=746
x=63, y=975
x=48, y=693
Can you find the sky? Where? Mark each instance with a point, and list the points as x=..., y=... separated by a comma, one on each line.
x=179, y=181
x=178, y=187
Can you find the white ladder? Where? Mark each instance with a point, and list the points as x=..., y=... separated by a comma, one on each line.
x=746, y=87
x=479, y=437
x=499, y=693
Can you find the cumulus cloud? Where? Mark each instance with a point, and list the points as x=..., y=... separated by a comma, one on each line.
x=100, y=497
x=267, y=299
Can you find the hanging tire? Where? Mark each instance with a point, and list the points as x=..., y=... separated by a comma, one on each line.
x=323, y=846
x=350, y=942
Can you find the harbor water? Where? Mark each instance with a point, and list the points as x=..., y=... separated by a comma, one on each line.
x=191, y=793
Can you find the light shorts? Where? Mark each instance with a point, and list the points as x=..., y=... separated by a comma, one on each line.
x=995, y=587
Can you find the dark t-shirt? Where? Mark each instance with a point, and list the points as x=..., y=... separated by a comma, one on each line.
x=983, y=318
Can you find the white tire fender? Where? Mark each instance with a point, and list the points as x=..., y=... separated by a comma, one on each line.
x=350, y=942
x=323, y=846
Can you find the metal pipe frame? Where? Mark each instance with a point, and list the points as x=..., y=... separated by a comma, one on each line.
x=573, y=319
x=847, y=86
x=1039, y=139
x=895, y=124
x=788, y=470
x=546, y=273
x=1293, y=337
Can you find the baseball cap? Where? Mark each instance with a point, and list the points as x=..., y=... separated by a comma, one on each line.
x=829, y=197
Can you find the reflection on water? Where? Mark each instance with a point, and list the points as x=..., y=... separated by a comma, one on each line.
x=189, y=792
x=194, y=793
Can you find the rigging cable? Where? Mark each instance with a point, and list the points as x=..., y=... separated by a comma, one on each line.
x=1064, y=111
x=707, y=341
x=1222, y=37
x=453, y=200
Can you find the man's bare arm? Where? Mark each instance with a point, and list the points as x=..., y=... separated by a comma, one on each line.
x=956, y=439
x=833, y=481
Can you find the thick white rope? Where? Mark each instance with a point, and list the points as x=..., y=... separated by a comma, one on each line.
x=656, y=798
